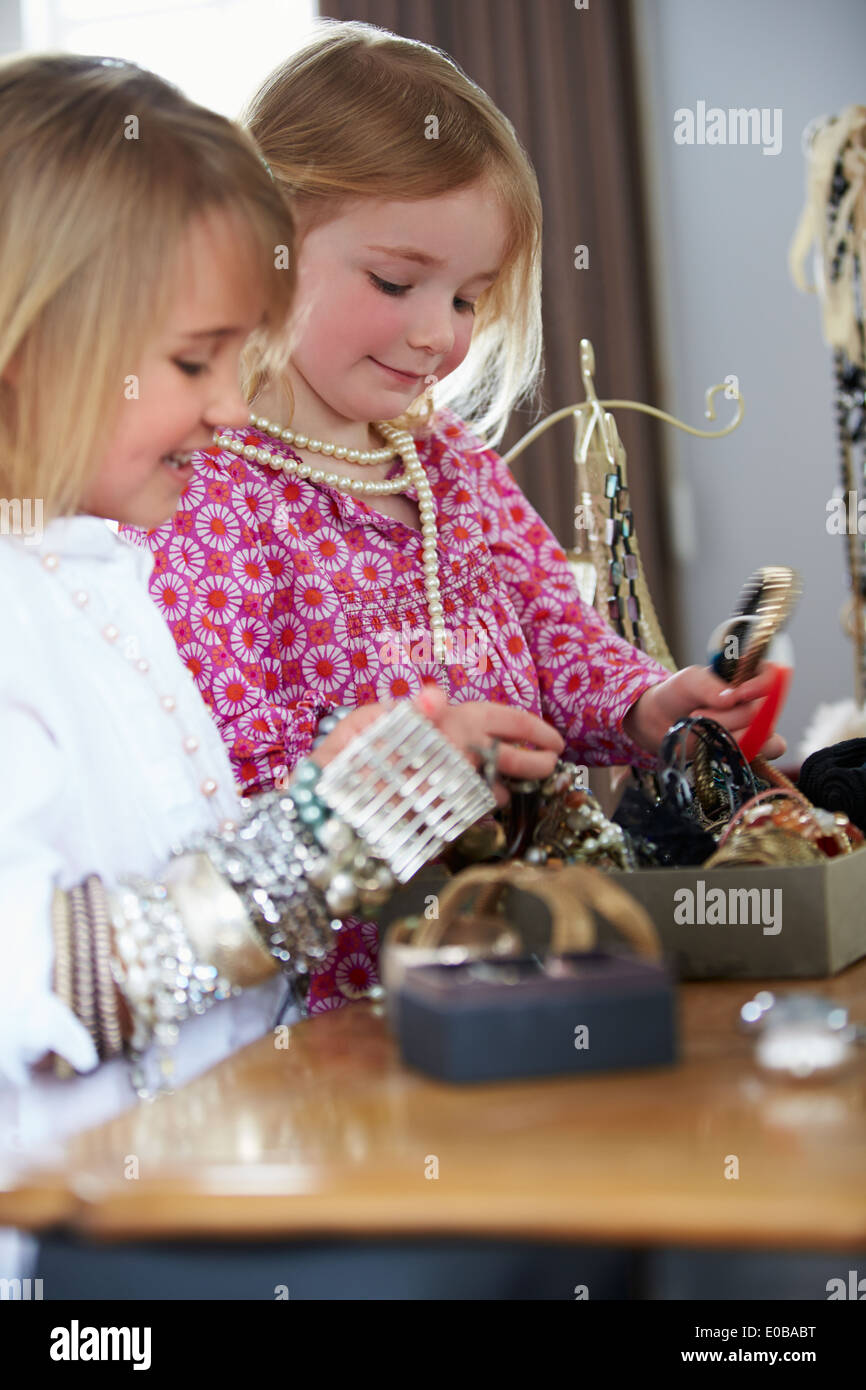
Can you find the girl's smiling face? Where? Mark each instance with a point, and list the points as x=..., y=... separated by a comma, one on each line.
x=389, y=285
x=187, y=382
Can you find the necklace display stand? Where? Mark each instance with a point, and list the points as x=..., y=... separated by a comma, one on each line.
x=605, y=557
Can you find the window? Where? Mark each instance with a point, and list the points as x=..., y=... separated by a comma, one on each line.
x=216, y=51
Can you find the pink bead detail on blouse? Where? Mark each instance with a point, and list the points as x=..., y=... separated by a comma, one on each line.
x=287, y=598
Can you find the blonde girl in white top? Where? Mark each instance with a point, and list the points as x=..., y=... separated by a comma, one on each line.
x=139, y=257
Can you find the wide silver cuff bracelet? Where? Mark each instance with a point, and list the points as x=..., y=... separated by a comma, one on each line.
x=404, y=789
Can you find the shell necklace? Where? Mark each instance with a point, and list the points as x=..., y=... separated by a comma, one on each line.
x=413, y=477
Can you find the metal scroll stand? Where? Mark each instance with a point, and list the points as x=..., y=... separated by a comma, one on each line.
x=605, y=557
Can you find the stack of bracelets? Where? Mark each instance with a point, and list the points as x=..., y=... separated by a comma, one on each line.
x=238, y=905
x=780, y=826
x=712, y=811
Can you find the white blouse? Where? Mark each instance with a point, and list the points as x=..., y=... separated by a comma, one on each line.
x=96, y=779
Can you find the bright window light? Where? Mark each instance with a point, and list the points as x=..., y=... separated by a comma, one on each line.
x=216, y=51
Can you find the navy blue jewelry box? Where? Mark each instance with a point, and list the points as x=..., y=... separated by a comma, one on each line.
x=495, y=1020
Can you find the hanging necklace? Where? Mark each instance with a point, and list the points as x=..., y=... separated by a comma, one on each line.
x=316, y=446
x=400, y=443
x=128, y=644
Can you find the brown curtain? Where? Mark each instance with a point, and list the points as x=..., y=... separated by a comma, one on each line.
x=565, y=79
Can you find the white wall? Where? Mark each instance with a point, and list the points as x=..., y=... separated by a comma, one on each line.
x=723, y=219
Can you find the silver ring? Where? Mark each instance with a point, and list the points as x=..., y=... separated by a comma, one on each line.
x=489, y=760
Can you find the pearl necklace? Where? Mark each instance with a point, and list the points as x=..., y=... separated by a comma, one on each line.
x=129, y=645
x=316, y=446
x=414, y=477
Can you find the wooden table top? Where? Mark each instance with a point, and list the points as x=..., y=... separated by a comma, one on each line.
x=335, y=1136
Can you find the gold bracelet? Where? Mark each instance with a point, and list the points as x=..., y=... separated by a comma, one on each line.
x=82, y=963
x=571, y=893
x=767, y=846
x=107, y=1006
x=770, y=594
x=62, y=973
x=217, y=923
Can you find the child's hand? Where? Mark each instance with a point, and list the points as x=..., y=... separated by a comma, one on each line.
x=470, y=726
x=698, y=691
x=473, y=724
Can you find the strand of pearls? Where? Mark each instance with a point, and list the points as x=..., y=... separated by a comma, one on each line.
x=404, y=445
x=129, y=646
x=317, y=446
x=357, y=487
x=413, y=478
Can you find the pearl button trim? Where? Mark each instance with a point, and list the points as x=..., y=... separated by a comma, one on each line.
x=111, y=633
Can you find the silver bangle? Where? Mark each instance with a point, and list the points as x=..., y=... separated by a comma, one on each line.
x=431, y=793
x=397, y=794
x=155, y=968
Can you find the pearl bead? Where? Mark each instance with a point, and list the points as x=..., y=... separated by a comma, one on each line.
x=413, y=480
x=250, y=451
x=111, y=632
x=227, y=826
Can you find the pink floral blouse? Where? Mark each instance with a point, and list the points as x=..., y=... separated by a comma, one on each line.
x=288, y=598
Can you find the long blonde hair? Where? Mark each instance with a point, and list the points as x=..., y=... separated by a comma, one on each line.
x=347, y=117
x=103, y=166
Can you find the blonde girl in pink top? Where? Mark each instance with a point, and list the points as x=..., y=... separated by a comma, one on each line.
x=294, y=579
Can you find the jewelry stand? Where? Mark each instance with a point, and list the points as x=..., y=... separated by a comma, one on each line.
x=605, y=557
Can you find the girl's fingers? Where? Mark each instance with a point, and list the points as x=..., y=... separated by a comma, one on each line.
x=518, y=762
x=774, y=747
x=735, y=720
x=751, y=689
x=431, y=701
x=519, y=726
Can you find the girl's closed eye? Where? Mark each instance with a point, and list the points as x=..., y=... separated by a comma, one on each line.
x=190, y=368
x=388, y=287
